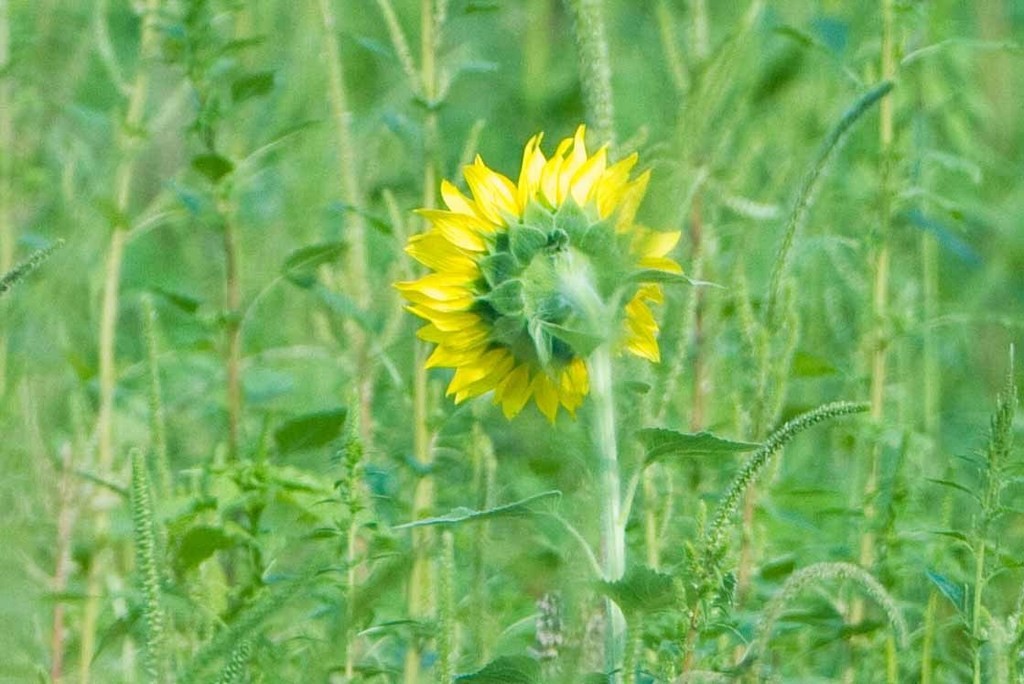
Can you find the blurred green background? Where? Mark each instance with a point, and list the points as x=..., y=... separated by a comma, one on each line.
x=727, y=111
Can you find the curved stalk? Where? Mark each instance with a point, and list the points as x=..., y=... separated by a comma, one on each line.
x=613, y=537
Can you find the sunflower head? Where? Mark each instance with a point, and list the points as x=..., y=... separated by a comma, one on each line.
x=528, y=278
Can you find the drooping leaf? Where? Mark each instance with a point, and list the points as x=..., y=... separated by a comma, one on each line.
x=252, y=85
x=581, y=341
x=807, y=365
x=662, y=443
x=198, y=544
x=184, y=302
x=956, y=593
x=310, y=431
x=300, y=266
x=653, y=275
x=642, y=590
x=212, y=165
x=505, y=670
x=462, y=514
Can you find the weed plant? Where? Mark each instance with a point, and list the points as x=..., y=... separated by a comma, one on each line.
x=226, y=458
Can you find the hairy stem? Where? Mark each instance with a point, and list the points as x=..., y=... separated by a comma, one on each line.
x=613, y=537
x=357, y=265
x=420, y=592
x=6, y=171
x=233, y=310
x=880, y=295
x=595, y=66
x=108, y=316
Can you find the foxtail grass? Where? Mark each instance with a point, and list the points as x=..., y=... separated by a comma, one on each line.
x=147, y=562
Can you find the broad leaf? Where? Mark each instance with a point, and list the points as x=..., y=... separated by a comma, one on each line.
x=505, y=670
x=213, y=166
x=642, y=590
x=300, y=266
x=662, y=443
x=310, y=431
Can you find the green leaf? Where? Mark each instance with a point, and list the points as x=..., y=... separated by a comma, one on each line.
x=653, y=275
x=807, y=365
x=212, y=165
x=198, y=544
x=505, y=670
x=311, y=430
x=462, y=514
x=252, y=85
x=956, y=593
x=661, y=442
x=642, y=590
x=300, y=266
x=954, y=485
x=180, y=300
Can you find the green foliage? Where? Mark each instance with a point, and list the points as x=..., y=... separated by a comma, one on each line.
x=661, y=443
x=269, y=418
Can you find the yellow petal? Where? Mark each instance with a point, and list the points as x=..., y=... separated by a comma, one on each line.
x=586, y=177
x=433, y=250
x=514, y=391
x=612, y=185
x=546, y=395
x=446, y=357
x=573, y=163
x=645, y=348
x=459, y=229
x=446, y=321
x=632, y=195
x=530, y=174
x=494, y=194
x=551, y=174
x=654, y=243
x=471, y=380
x=460, y=341
x=455, y=200
x=660, y=264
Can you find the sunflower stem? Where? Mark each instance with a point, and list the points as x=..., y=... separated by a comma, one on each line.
x=613, y=539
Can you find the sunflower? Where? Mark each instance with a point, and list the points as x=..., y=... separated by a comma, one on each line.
x=529, y=278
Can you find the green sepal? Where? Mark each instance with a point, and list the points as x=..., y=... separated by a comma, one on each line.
x=555, y=307
x=542, y=343
x=497, y=268
x=573, y=220
x=525, y=241
x=508, y=330
x=507, y=298
x=537, y=216
x=581, y=341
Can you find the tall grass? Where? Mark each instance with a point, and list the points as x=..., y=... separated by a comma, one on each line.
x=233, y=185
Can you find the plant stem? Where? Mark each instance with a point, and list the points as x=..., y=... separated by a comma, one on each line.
x=357, y=265
x=62, y=571
x=446, y=633
x=595, y=67
x=613, y=538
x=6, y=171
x=233, y=311
x=420, y=596
x=108, y=318
x=880, y=294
